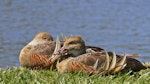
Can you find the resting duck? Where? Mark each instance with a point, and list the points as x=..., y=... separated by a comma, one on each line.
x=73, y=57
x=35, y=55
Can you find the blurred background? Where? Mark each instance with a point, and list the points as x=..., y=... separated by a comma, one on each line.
x=115, y=25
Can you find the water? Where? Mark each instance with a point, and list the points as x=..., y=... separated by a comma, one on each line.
x=116, y=25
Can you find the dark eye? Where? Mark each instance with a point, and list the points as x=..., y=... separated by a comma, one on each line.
x=73, y=42
x=44, y=38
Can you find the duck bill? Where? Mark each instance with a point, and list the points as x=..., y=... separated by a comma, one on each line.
x=63, y=51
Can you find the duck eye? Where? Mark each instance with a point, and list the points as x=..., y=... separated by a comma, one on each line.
x=73, y=42
x=44, y=38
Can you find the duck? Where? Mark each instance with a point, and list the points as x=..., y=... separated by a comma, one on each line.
x=73, y=57
x=35, y=54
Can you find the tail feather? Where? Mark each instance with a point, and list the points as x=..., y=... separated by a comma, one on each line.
x=146, y=64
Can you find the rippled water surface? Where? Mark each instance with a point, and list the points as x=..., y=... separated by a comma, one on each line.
x=116, y=25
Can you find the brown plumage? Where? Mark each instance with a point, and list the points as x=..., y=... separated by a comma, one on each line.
x=74, y=58
x=36, y=53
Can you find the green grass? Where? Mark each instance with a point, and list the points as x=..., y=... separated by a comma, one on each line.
x=25, y=76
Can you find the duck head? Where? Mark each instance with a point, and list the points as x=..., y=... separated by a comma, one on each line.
x=41, y=37
x=73, y=46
